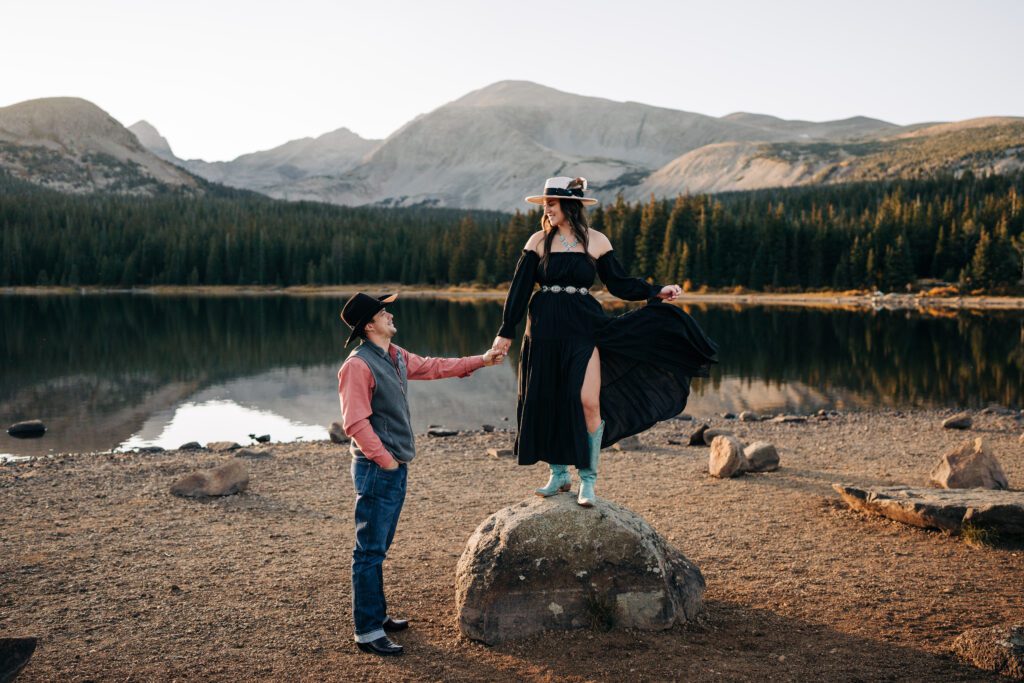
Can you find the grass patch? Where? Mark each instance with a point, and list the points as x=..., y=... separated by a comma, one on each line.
x=979, y=536
x=602, y=612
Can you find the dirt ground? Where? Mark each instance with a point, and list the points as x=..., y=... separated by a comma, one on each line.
x=121, y=581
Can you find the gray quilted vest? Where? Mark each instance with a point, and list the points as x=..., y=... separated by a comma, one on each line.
x=390, y=419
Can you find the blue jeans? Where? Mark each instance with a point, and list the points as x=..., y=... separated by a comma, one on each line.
x=379, y=498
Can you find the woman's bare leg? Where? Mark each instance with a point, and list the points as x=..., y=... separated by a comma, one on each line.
x=590, y=394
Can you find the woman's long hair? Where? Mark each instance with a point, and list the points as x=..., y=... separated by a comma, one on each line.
x=576, y=214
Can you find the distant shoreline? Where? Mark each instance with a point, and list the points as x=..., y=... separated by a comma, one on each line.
x=856, y=300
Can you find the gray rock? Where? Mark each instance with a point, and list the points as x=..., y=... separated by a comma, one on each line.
x=697, y=438
x=948, y=509
x=792, y=419
x=726, y=458
x=221, y=446
x=749, y=416
x=729, y=416
x=710, y=434
x=630, y=443
x=191, y=446
x=29, y=429
x=970, y=465
x=337, y=433
x=549, y=564
x=149, y=449
x=761, y=457
x=260, y=439
x=254, y=453
x=958, y=421
x=441, y=431
x=500, y=452
x=488, y=428
x=220, y=481
x=999, y=649
x=685, y=417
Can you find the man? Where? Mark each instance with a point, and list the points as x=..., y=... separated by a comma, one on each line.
x=372, y=385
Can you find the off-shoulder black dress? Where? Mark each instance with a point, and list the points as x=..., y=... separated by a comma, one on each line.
x=648, y=355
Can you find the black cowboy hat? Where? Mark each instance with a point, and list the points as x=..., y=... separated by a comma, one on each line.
x=360, y=309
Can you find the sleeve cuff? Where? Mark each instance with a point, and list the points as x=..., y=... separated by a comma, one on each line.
x=507, y=331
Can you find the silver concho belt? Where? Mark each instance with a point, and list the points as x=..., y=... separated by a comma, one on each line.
x=568, y=290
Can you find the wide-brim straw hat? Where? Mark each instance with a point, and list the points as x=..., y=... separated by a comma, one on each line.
x=360, y=310
x=563, y=188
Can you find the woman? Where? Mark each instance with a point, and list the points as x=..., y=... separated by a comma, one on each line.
x=587, y=380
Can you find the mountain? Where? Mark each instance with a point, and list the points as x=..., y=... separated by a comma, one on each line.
x=491, y=147
x=333, y=153
x=152, y=140
x=71, y=145
x=988, y=145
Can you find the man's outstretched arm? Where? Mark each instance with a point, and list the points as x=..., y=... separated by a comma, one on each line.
x=425, y=367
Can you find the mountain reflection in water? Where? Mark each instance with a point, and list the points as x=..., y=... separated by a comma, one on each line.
x=109, y=370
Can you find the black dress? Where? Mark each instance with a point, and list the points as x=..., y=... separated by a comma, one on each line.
x=648, y=356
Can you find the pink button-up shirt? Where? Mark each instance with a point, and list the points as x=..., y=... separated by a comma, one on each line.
x=355, y=389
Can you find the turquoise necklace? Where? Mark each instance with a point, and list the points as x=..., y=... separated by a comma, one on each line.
x=568, y=247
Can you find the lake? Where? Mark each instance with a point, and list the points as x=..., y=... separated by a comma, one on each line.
x=113, y=371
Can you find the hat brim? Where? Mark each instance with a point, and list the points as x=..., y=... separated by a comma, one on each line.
x=384, y=300
x=541, y=198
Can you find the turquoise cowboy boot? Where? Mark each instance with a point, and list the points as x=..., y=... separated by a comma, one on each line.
x=559, y=481
x=589, y=475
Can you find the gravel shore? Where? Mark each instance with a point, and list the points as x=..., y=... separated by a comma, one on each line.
x=122, y=581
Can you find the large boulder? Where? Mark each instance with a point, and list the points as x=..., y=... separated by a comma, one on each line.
x=221, y=481
x=1001, y=512
x=761, y=456
x=726, y=458
x=999, y=649
x=971, y=465
x=548, y=563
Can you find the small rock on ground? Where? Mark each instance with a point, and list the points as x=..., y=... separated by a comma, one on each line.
x=219, y=446
x=761, y=457
x=697, y=438
x=337, y=433
x=958, y=421
x=726, y=458
x=630, y=443
x=221, y=481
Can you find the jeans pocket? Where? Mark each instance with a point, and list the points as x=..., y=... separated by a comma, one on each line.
x=364, y=475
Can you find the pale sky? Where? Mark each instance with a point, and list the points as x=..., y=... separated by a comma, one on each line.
x=220, y=78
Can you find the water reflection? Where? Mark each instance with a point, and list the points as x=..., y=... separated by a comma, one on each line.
x=112, y=370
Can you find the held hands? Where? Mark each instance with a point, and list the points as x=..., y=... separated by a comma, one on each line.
x=501, y=345
x=670, y=292
x=494, y=356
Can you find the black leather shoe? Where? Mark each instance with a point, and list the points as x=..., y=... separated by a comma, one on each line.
x=392, y=625
x=383, y=646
